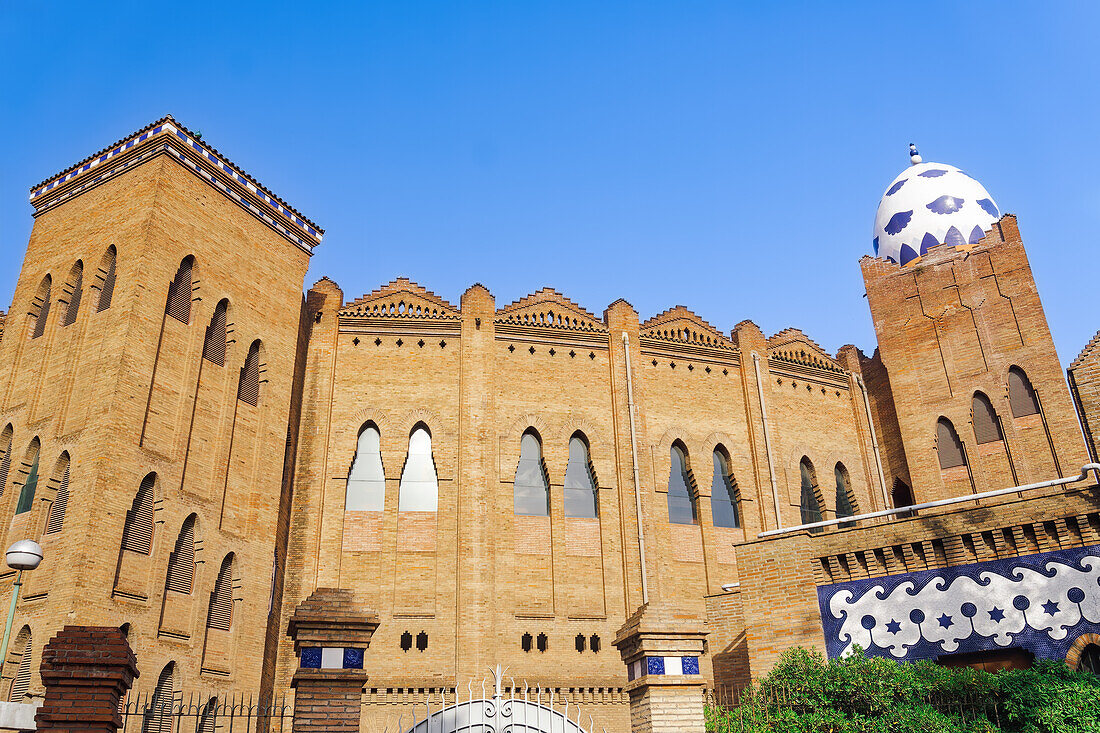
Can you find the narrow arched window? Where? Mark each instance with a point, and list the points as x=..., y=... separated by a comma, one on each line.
x=26, y=494
x=845, y=505
x=681, y=488
x=901, y=494
x=137, y=534
x=531, y=492
x=22, y=680
x=40, y=308
x=213, y=347
x=367, y=479
x=158, y=714
x=5, y=460
x=809, y=505
x=987, y=428
x=419, y=487
x=105, y=278
x=179, y=292
x=581, y=497
x=181, y=563
x=1021, y=395
x=949, y=445
x=74, y=289
x=208, y=719
x=220, y=615
x=248, y=389
x=723, y=494
x=56, y=520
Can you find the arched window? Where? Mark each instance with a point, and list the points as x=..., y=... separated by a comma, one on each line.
x=74, y=289
x=367, y=479
x=137, y=534
x=681, y=488
x=723, y=495
x=158, y=715
x=808, y=503
x=220, y=614
x=5, y=460
x=1090, y=660
x=105, y=279
x=22, y=680
x=179, y=292
x=1021, y=395
x=901, y=494
x=248, y=389
x=581, y=496
x=56, y=520
x=181, y=563
x=213, y=347
x=40, y=308
x=845, y=505
x=419, y=487
x=531, y=493
x=987, y=428
x=208, y=719
x=26, y=494
x=949, y=445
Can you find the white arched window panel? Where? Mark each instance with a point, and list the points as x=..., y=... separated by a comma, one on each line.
x=580, y=484
x=419, y=489
x=531, y=491
x=367, y=478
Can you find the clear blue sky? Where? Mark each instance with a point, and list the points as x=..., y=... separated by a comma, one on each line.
x=727, y=156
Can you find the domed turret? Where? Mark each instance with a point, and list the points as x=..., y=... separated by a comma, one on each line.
x=927, y=205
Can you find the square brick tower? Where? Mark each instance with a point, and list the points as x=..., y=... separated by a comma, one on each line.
x=980, y=398
x=145, y=383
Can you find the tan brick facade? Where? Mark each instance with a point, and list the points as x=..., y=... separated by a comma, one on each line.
x=1084, y=382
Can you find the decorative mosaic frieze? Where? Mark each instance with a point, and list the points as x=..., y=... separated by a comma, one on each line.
x=662, y=666
x=316, y=657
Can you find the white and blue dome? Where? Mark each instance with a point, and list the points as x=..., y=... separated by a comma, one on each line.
x=931, y=204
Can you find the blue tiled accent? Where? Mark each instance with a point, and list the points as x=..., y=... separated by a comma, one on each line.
x=655, y=665
x=691, y=665
x=353, y=658
x=311, y=657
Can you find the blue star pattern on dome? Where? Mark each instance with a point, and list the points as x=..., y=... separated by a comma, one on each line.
x=931, y=204
x=1038, y=602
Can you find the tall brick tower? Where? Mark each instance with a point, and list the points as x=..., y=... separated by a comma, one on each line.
x=144, y=398
x=966, y=368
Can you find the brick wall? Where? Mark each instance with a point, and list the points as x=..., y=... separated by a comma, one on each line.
x=1084, y=381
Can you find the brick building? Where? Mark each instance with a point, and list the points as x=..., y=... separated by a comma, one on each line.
x=199, y=447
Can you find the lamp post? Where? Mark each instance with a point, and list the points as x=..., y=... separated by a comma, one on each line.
x=22, y=555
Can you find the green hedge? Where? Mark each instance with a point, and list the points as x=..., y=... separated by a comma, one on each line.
x=805, y=693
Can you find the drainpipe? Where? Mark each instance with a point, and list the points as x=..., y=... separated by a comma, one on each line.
x=634, y=460
x=874, y=441
x=767, y=440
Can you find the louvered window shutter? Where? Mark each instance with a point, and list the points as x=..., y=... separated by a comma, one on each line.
x=181, y=565
x=43, y=314
x=986, y=427
x=249, y=389
x=5, y=468
x=179, y=294
x=213, y=349
x=57, y=510
x=137, y=536
x=108, y=292
x=74, y=300
x=221, y=600
x=26, y=494
x=950, y=447
x=1021, y=395
x=22, y=681
x=159, y=713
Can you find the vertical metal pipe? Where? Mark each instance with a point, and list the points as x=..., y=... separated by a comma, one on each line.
x=767, y=440
x=11, y=618
x=874, y=441
x=634, y=460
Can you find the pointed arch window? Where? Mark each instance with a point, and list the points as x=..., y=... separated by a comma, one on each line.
x=901, y=494
x=137, y=534
x=5, y=460
x=949, y=445
x=367, y=478
x=248, y=389
x=26, y=494
x=845, y=505
x=220, y=614
x=106, y=278
x=180, y=291
x=75, y=288
x=581, y=496
x=56, y=520
x=681, y=488
x=809, y=505
x=723, y=492
x=531, y=492
x=987, y=427
x=419, y=487
x=40, y=308
x=181, y=563
x=1021, y=395
x=158, y=715
x=22, y=680
x=213, y=347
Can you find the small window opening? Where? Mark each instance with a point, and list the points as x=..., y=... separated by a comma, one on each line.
x=542, y=642
x=579, y=642
x=525, y=642
x=406, y=641
x=422, y=641
x=594, y=642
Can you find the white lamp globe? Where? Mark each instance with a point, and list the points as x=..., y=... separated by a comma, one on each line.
x=24, y=555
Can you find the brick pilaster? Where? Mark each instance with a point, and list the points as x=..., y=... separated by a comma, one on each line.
x=86, y=670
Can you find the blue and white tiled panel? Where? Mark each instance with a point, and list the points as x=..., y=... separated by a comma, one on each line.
x=662, y=666
x=331, y=657
x=1040, y=602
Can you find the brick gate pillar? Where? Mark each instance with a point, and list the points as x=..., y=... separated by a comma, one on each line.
x=330, y=631
x=86, y=671
x=661, y=648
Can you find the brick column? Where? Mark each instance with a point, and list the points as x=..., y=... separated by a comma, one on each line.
x=86, y=670
x=661, y=647
x=330, y=631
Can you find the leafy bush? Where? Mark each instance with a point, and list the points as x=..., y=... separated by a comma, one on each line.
x=805, y=693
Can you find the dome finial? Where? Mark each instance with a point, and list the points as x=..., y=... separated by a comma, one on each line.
x=914, y=156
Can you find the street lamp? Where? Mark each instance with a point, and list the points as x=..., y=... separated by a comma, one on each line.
x=22, y=555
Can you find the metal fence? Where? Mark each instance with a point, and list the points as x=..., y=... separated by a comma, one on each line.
x=205, y=713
